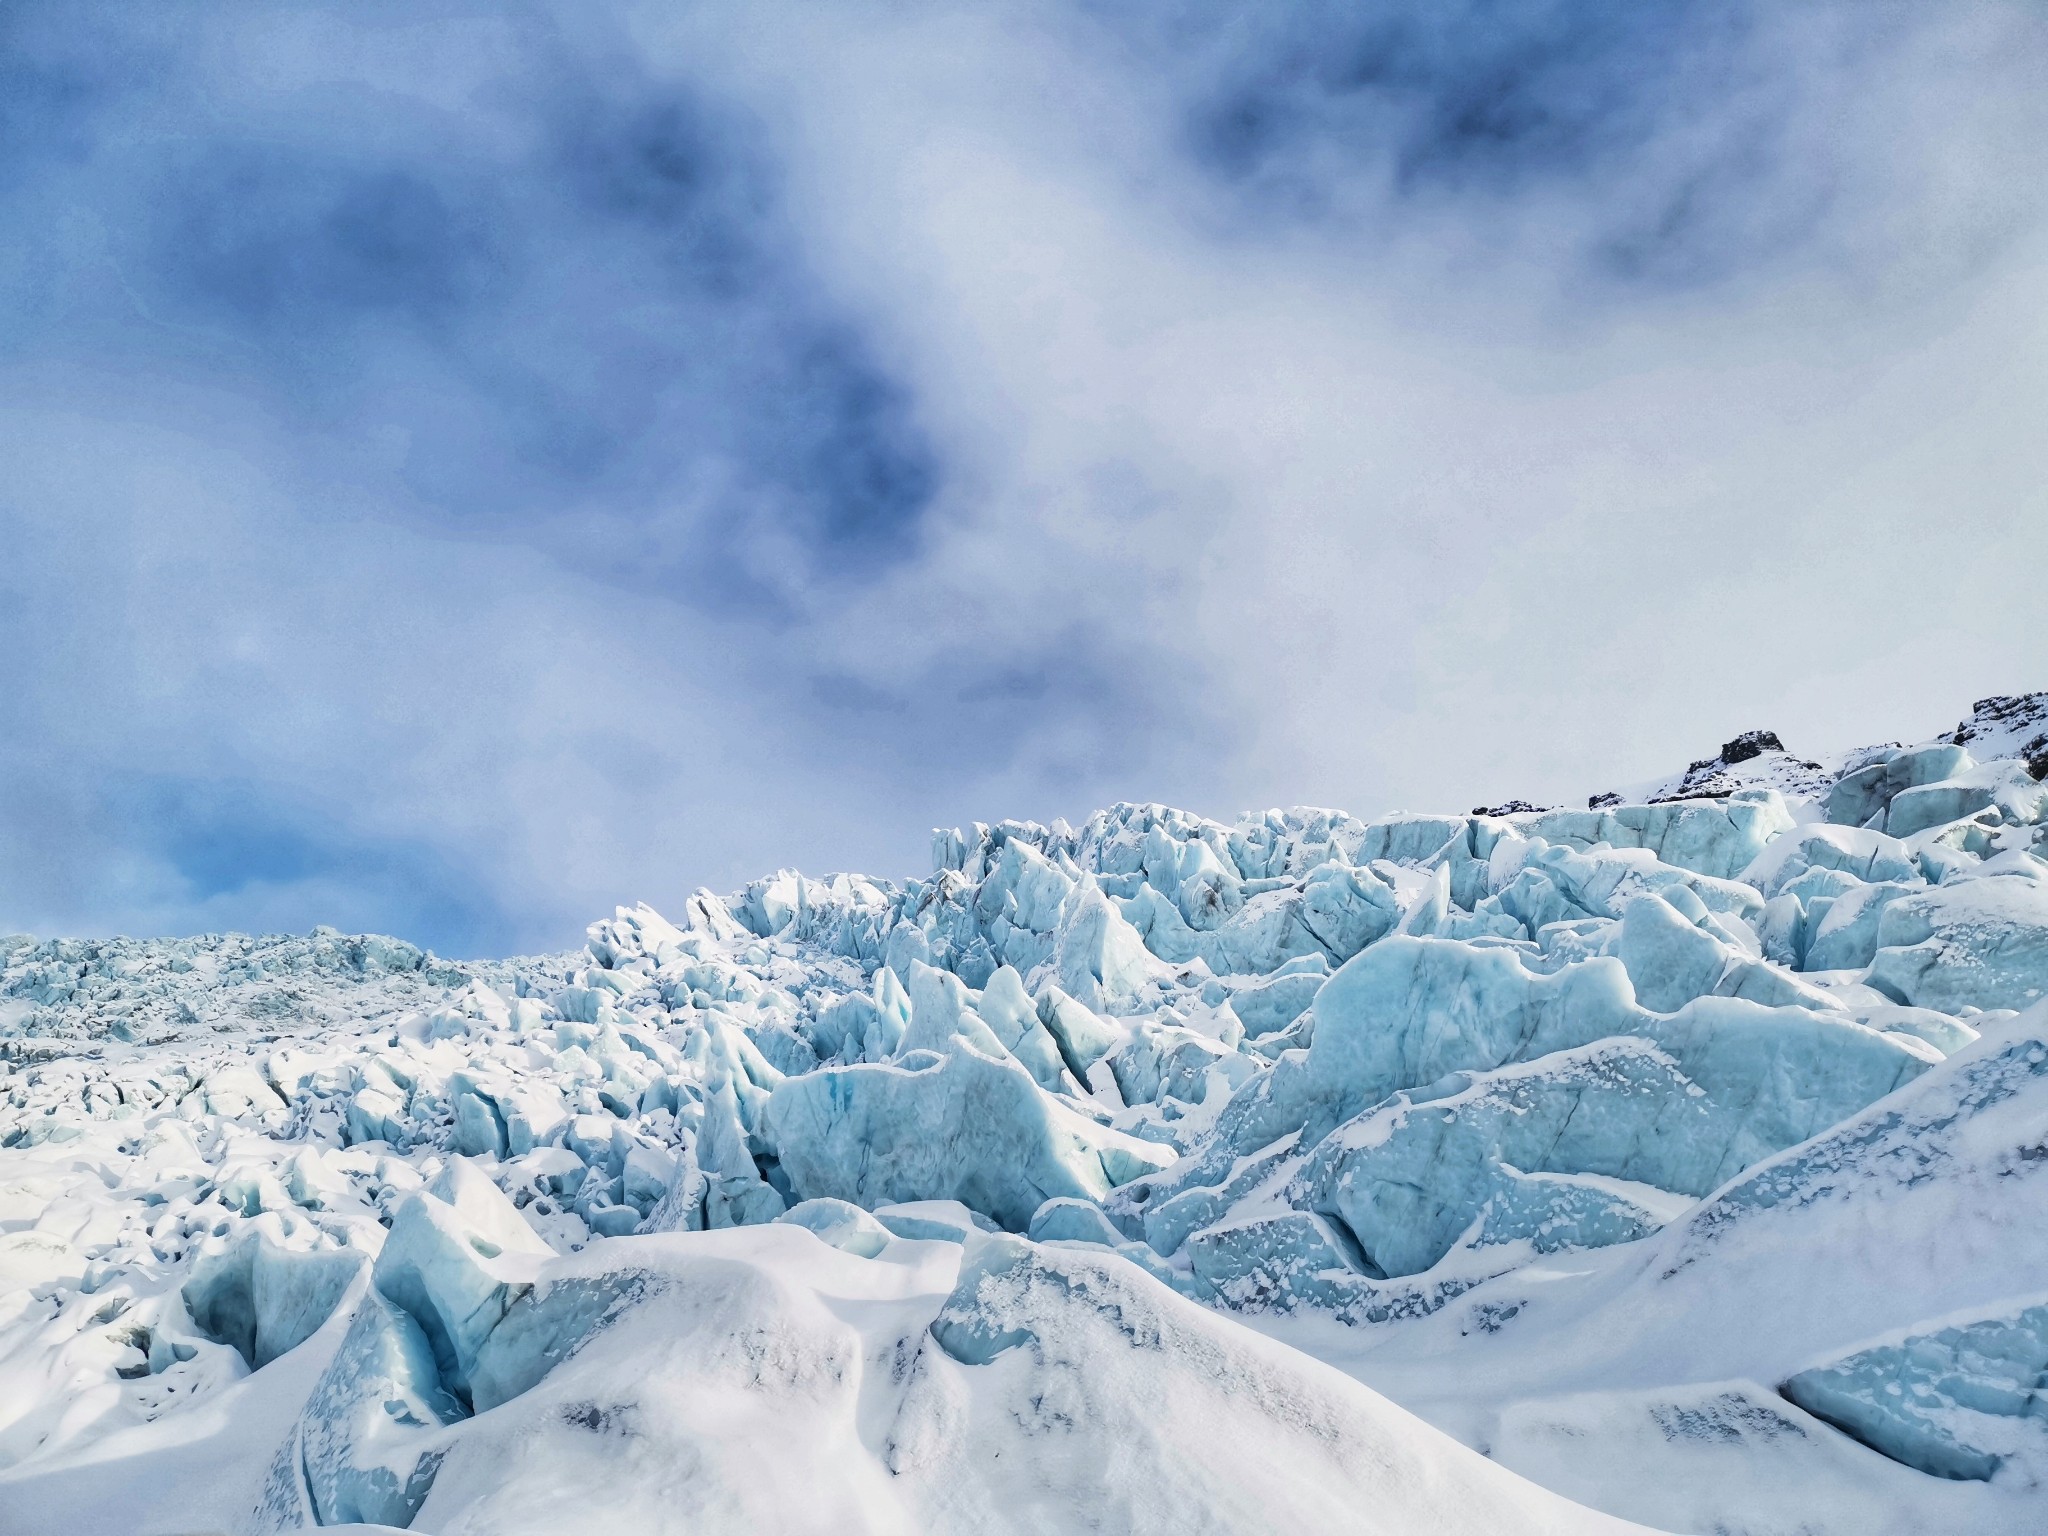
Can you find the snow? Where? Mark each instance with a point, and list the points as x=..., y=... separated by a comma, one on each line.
x=1680, y=1158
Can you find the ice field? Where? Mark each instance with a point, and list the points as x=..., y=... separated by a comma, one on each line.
x=1677, y=1160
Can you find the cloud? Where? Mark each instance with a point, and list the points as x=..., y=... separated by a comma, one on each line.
x=560, y=309
x=473, y=465
x=1461, y=504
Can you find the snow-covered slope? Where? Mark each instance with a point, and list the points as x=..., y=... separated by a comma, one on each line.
x=1682, y=1154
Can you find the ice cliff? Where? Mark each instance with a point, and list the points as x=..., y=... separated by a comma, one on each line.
x=1682, y=1151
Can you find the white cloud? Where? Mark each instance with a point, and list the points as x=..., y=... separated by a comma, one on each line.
x=1424, y=500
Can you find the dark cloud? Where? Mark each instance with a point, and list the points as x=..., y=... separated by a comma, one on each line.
x=582, y=308
x=1493, y=94
x=1669, y=144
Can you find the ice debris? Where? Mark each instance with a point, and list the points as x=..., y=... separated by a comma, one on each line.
x=1952, y=1403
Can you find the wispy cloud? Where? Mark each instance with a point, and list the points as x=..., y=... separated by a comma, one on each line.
x=470, y=465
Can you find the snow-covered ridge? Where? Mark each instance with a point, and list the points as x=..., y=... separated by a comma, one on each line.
x=306, y=1230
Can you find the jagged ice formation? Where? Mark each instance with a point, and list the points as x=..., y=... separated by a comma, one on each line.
x=1683, y=1152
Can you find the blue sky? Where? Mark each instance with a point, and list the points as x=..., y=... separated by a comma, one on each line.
x=471, y=465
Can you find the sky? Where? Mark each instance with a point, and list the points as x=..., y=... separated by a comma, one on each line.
x=467, y=466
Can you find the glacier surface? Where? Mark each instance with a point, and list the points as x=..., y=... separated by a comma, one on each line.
x=1681, y=1155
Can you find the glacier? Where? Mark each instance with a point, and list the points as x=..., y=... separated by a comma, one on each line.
x=1675, y=1161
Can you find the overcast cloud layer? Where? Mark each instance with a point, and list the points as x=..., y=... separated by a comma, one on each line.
x=469, y=465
